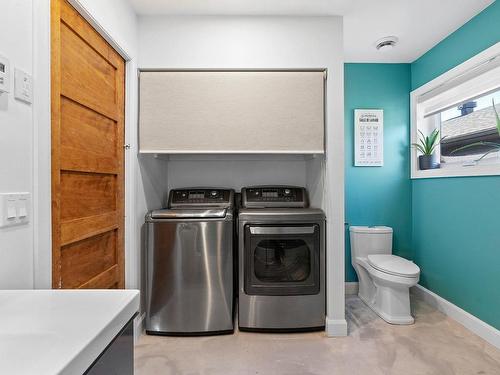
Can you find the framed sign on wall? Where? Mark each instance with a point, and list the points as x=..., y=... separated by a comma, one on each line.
x=368, y=137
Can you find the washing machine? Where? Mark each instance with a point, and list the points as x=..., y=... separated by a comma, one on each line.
x=189, y=263
x=281, y=243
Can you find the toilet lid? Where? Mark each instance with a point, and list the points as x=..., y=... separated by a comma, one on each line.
x=394, y=265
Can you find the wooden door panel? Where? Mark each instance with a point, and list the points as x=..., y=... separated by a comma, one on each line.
x=84, y=260
x=82, y=228
x=86, y=194
x=88, y=140
x=106, y=279
x=88, y=78
x=72, y=19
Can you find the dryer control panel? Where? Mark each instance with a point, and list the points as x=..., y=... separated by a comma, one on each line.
x=274, y=197
x=201, y=197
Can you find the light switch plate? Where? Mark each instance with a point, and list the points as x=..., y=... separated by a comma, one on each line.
x=23, y=206
x=4, y=74
x=14, y=209
x=23, y=86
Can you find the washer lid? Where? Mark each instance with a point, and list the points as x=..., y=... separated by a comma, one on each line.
x=393, y=265
x=187, y=213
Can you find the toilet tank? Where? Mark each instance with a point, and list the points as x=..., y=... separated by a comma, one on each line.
x=370, y=240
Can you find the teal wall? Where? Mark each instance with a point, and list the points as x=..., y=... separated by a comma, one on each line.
x=475, y=36
x=379, y=195
x=456, y=221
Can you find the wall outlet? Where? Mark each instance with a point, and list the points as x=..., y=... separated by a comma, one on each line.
x=14, y=209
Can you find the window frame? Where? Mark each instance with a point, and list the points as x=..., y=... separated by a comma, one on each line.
x=466, y=68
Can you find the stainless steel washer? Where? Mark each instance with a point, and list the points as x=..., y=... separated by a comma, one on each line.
x=281, y=261
x=189, y=287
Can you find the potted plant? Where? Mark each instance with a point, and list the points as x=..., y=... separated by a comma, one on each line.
x=427, y=146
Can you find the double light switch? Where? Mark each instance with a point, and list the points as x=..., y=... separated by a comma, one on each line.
x=14, y=209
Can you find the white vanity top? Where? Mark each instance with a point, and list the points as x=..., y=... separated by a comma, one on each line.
x=48, y=332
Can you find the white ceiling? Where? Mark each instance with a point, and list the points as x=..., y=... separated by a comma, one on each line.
x=419, y=24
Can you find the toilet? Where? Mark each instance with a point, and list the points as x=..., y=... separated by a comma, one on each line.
x=384, y=279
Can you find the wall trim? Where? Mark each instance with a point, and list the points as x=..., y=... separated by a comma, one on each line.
x=138, y=326
x=336, y=327
x=42, y=207
x=469, y=321
x=351, y=288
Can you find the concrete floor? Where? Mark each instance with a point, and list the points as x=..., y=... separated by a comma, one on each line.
x=435, y=344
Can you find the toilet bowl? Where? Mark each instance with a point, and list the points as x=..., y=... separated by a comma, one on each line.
x=384, y=279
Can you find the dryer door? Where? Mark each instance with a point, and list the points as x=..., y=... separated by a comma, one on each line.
x=282, y=259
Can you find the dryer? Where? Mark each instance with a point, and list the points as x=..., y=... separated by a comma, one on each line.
x=281, y=244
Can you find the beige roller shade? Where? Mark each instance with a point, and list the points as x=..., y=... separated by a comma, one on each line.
x=231, y=112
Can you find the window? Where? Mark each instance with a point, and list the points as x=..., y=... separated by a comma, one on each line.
x=459, y=104
x=469, y=133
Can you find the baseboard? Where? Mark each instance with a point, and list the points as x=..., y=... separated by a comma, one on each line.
x=138, y=326
x=336, y=327
x=351, y=287
x=469, y=321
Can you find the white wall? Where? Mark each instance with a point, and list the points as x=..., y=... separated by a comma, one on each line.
x=264, y=42
x=16, y=144
x=235, y=171
x=315, y=181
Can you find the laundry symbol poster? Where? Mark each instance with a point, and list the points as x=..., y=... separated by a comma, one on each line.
x=368, y=137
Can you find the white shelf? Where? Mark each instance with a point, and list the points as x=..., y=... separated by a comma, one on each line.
x=234, y=156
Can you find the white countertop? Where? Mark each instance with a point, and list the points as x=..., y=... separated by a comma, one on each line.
x=48, y=332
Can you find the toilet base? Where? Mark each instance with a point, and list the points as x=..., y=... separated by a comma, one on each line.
x=399, y=320
x=386, y=294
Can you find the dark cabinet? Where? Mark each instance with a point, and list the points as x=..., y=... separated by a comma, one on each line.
x=118, y=357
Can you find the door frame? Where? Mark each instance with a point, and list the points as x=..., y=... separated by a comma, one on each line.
x=42, y=213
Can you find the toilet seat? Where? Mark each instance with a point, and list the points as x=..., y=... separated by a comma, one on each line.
x=393, y=265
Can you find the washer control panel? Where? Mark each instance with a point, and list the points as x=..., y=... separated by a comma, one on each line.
x=202, y=197
x=274, y=196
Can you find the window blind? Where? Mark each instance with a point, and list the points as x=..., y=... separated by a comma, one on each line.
x=478, y=81
x=231, y=111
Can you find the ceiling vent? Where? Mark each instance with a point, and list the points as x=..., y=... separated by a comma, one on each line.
x=386, y=43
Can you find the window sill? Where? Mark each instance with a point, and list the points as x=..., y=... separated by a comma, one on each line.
x=457, y=171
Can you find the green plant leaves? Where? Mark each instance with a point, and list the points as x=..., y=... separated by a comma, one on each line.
x=493, y=145
x=497, y=148
x=419, y=147
x=427, y=144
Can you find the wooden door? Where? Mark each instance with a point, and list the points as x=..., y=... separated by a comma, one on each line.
x=87, y=154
